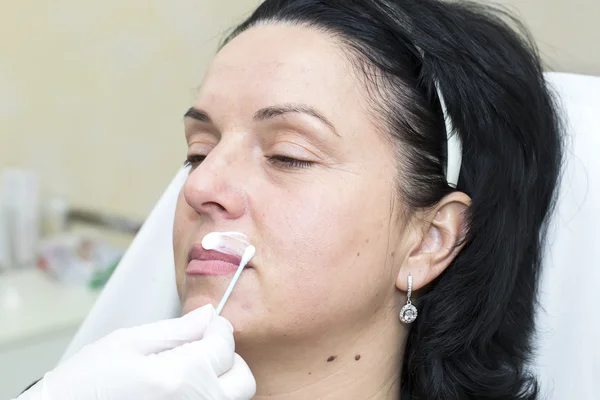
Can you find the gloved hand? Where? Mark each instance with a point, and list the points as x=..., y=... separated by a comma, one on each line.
x=188, y=358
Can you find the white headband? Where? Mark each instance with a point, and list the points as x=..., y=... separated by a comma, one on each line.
x=454, y=152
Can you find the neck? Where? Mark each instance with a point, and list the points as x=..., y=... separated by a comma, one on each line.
x=363, y=362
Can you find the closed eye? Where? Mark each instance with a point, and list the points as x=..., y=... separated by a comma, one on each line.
x=278, y=161
x=289, y=162
x=194, y=160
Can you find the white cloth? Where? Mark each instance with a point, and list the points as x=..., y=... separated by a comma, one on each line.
x=142, y=288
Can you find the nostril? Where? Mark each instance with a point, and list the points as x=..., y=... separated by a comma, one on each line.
x=214, y=205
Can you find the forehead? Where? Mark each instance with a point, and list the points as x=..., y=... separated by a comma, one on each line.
x=277, y=63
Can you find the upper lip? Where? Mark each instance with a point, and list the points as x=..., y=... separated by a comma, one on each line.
x=197, y=252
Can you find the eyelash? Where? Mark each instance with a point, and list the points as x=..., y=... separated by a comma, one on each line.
x=279, y=161
x=193, y=161
x=289, y=162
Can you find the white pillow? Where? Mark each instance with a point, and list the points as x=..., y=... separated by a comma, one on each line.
x=568, y=360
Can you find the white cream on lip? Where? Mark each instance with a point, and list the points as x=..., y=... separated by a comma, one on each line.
x=234, y=243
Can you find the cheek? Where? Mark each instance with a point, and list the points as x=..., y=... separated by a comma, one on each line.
x=182, y=227
x=328, y=246
x=179, y=225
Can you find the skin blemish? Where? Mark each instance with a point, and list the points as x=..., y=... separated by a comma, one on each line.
x=357, y=357
x=367, y=240
x=330, y=359
x=358, y=254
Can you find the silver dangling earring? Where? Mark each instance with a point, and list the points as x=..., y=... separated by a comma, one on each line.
x=408, y=313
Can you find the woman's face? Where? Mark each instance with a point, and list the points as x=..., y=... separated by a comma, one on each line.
x=294, y=161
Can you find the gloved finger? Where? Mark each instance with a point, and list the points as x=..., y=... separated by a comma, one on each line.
x=168, y=334
x=216, y=349
x=238, y=383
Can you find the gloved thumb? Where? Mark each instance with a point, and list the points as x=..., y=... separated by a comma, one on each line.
x=167, y=334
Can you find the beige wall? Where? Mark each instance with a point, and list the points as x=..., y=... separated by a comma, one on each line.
x=567, y=31
x=92, y=93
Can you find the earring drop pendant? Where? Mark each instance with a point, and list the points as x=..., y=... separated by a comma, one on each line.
x=408, y=313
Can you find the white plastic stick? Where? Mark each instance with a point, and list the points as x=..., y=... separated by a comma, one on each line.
x=248, y=254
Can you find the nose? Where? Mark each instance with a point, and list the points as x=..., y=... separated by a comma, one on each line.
x=214, y=188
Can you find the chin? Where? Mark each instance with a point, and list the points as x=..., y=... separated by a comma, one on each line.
x=192, y=303
x=233, y=310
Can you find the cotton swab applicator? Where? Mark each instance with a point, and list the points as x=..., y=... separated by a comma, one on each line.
x=234, y=243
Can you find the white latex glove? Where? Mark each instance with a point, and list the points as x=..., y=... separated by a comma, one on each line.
x=188, y=358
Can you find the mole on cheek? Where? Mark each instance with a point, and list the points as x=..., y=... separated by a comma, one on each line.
x=330, y=359
x=357, y=357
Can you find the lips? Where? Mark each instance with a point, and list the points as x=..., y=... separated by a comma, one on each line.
x=210, y=262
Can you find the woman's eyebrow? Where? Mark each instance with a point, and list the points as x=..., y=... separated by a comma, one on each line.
x=268, y=113
x=197, y=114
x=275, y=111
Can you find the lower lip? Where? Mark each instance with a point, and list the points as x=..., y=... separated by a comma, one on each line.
x=210, y=268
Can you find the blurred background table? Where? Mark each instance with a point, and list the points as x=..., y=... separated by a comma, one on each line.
x=38, y=318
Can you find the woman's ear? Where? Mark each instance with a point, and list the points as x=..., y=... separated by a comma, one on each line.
x=441, y=238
